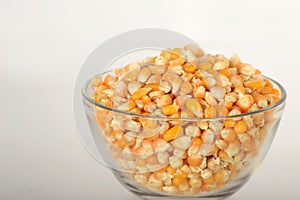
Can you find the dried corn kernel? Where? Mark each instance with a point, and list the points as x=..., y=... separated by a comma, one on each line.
x=185, y=156
x=169, y=110
x=245, y=102
x=138, y=94
x=194, y=106
x=173, y=133
x=240, y=127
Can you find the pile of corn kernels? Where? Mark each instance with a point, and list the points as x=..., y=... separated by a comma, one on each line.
x=184, y=150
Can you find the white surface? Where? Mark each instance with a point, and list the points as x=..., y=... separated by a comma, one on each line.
x=44, y=43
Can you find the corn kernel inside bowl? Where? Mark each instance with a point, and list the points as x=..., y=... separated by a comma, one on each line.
x=186, y=143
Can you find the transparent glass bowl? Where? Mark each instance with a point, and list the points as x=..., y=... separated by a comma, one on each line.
x=223, y=168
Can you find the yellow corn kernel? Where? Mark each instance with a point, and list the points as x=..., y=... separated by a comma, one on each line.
x=225, y=72
x=136, y=111
x=210, y=112
x=267, y=83
x=153, y=86
x=164, y=100
x=228, y=104
x=194, y=106
x=245, y=102
x=224, y=156
x=172, y=133
x=266, y=90
x=254, y=84
x=260, y=100
x=108, y=80
x=169, y=110
x=138, y=94
x=175, y=53
x=209, y=180
x=239, y=89
x=240, y=127
x=257, y=71
x=195, y=146
x=165, y=53
x=177, y=62
x=120, y=144
x=194, y=160
x=189, y=68
x=171, y=170
x=276, y=92
x=228, y=134
x=146, y=99
x=179, y=181
x=221, y=176
x=229, y=123
x=199, y=92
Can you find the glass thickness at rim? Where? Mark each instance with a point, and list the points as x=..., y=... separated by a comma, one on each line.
x=277, y=104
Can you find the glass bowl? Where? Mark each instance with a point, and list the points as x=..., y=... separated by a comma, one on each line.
x=130, y=145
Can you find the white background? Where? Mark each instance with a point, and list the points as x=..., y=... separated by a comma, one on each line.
x=44, y=43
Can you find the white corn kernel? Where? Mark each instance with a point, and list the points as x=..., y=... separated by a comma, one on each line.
x=140, y=178
x=233, y=148
x=182, y=142
x=121, y=89
x=210, y=99
x=133, y=86
x=179, y=153
x=132, y=126
x=163, y=158
x=203, y=125
x=195, y=183
x=158, y=69
x=154, y=79
x=203, y=165
x=155, y=183
x=160, y=60
x=190, y=57
x=208, y=136
x=205, y=149
x=192, y=130
x=183, y=187
x=247, y=70
x=221, y=144
x=196, y=169
x=205, y=174
x=155, y=94
x=218, y=92
x=175, y=162
x=224, y=81
x=170, y=189
x=221, y=64
x=214, y=164
x=216, y=126
x=144, y=75
x=165, y=86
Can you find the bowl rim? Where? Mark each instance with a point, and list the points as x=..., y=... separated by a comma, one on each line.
x=280, y=102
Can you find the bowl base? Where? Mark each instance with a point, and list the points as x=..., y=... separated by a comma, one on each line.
x=147, y=194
